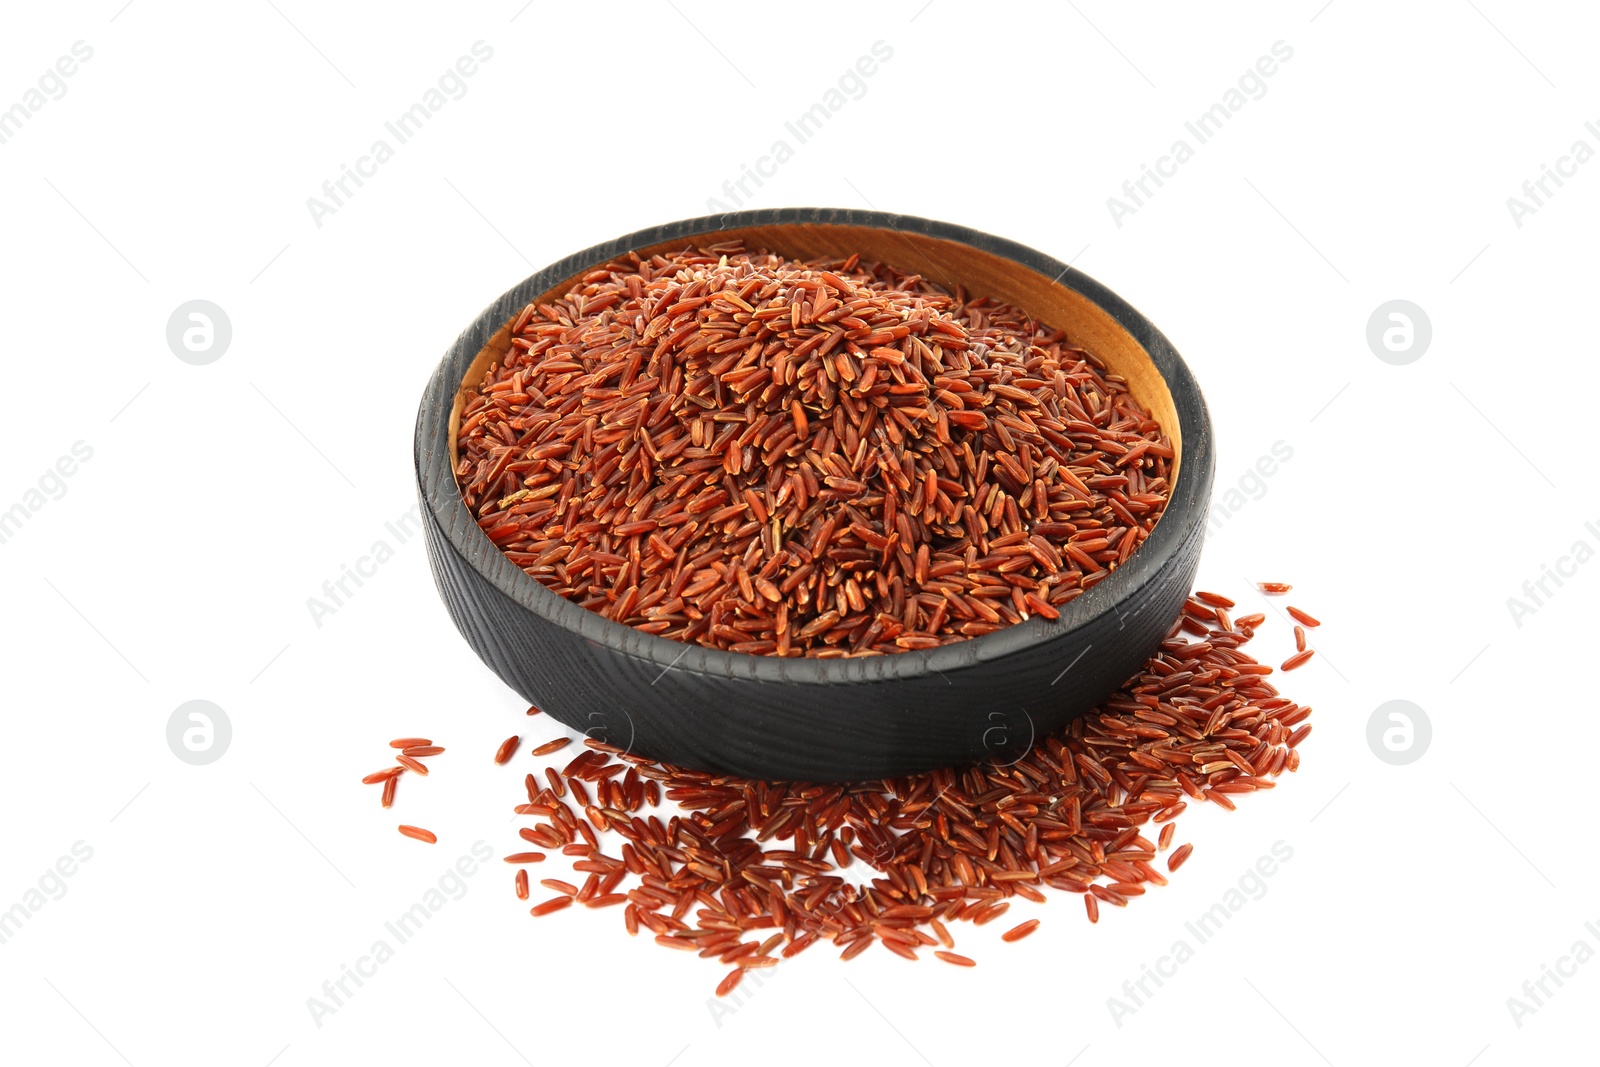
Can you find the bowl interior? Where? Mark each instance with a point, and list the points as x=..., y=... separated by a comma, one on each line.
x=944, y=262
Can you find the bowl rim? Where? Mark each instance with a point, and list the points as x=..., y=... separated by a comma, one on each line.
x=440, y=492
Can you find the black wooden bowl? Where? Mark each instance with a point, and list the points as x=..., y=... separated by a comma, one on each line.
x=827, y=719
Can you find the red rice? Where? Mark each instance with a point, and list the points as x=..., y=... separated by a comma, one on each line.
x=1301, y=617
x=1200, y=721
x=1298, y=659
x=553, y=904
x=725, y=986
x=765, y=456
x=412, y=764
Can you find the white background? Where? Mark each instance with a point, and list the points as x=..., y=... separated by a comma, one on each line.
x=179, y=561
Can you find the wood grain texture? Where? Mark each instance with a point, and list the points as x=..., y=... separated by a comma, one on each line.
x=828, y=720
